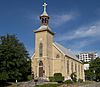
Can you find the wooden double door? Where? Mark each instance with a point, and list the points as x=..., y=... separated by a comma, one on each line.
x=41, y=71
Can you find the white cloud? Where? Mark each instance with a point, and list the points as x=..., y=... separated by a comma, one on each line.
x=82, y=37
x=86, y=31
x=59, y=19
x=81, y=44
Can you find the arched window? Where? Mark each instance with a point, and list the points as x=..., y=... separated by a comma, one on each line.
x=72, y=67
x=79, y=70
x=41, y=50
x=75, y=67
x=67, y=66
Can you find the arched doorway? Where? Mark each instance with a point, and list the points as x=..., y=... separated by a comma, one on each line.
x=41, y=69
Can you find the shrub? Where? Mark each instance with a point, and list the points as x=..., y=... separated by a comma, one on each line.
x=68, y=81
x=29, y=77
x=58, y=77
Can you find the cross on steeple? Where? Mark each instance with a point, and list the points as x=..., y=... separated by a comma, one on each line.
x=44, y=5
x=44, y=10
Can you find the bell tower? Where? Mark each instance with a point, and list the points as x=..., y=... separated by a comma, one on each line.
x=44, y=17
x=43, y=46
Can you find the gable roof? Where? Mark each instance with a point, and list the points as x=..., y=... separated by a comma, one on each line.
x=44, y=28
x=65, y=51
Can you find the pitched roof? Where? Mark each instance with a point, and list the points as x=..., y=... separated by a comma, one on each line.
x=66, y=52
x=43, y=28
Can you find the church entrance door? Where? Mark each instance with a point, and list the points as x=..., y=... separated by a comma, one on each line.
x=40, y=69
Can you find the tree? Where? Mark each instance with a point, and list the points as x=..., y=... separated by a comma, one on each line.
x=95, y=68
x=14, y=59
x=89, y=75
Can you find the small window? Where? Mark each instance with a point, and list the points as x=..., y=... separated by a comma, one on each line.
x=57, y=56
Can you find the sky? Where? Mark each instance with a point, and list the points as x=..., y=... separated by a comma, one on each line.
x=76, y=23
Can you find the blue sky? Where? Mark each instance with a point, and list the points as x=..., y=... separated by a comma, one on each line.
x=75, y=22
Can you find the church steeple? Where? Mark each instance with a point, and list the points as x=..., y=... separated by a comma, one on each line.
x=44, y=16
x=44, y=21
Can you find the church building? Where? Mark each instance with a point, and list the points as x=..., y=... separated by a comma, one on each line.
x=50, y=57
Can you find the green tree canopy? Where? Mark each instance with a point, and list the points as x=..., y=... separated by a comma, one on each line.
x=14, y=59
x=95, y=68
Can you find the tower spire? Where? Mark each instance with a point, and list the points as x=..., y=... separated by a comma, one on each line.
x=44, y=10
x=44, y=5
